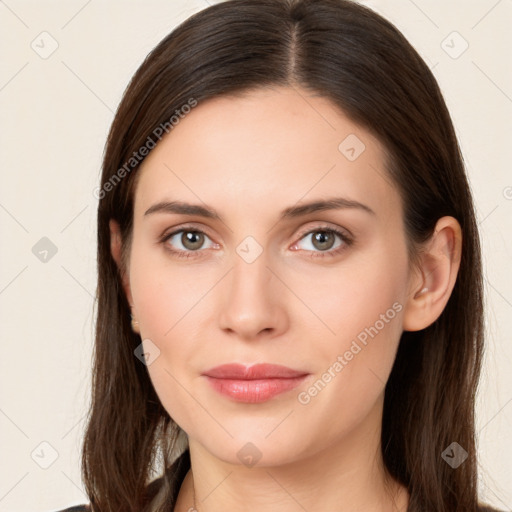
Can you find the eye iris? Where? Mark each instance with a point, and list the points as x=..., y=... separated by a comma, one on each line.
x=325, y=239
x=192, y=240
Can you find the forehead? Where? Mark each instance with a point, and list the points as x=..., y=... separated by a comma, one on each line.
x=264, y=148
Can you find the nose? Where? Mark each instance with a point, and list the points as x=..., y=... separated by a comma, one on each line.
x=252, y=301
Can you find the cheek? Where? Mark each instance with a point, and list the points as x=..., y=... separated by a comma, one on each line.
x=357, y=296
x=165, y=292
x=172, y=300
x=352, y=365
x=168, y=299
x=362, y=305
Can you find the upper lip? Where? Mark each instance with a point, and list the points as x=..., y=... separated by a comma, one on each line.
x=257, y=371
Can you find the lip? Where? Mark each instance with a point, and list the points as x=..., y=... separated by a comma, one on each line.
x=257, y=371
x=253, y=384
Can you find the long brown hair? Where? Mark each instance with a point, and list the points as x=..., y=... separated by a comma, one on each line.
x=363, y=64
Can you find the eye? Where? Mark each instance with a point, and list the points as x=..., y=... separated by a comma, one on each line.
x=187, y=242
x=321, y=242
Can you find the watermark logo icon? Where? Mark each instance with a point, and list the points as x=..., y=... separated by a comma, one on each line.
x=454, y=45
x=147, y=352
x=249, y=455
x=44, y=45
x=249, y=249
x=44, y=250
x=351, y=147
x=454, y=455
x=44, y=455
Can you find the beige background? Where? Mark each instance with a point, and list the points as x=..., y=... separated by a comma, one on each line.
x=56, y=112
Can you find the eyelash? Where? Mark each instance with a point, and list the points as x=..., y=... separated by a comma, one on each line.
x=347, y=242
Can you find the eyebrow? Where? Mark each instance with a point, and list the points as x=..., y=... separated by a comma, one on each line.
x=335, y=203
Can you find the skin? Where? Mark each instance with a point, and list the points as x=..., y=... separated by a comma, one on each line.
x=249, y=158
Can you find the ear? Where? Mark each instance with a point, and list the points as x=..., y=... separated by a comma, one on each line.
x=115, y=249
x=433, y=282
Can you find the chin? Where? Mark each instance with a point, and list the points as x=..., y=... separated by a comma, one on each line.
x=256, y=448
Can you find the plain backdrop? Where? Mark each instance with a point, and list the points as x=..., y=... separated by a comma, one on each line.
x=64, y=66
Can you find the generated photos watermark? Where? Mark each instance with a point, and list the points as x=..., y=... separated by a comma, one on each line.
x=361, y=341
x=143, y=151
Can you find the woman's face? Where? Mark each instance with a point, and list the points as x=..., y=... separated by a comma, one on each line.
x=264, y=279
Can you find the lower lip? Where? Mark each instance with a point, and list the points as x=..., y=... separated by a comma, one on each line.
x=254, y=391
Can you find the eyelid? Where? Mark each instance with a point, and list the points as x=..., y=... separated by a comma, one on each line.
x=344, y=234
x=168, y=234
x=325, y=226
x=346, y=241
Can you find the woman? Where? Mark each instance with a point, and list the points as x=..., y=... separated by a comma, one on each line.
x=290, y=287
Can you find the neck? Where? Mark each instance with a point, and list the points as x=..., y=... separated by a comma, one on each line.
x=347, y=477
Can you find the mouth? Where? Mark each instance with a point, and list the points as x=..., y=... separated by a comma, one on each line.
x=253, y=384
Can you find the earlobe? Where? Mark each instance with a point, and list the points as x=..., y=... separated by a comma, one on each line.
x=433, y=282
